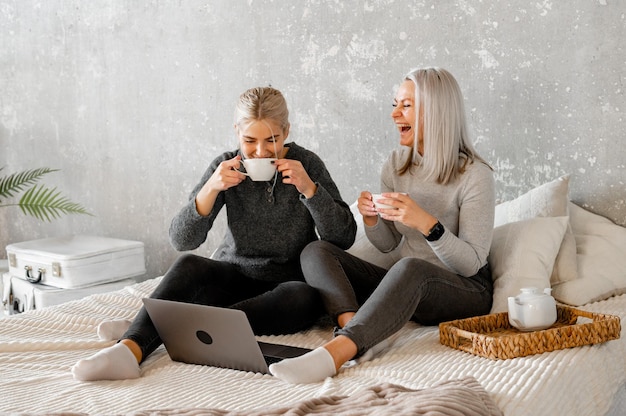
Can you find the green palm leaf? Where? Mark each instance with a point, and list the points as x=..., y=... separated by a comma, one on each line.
x=17, y=182
x=48, y=204
x=38, y=201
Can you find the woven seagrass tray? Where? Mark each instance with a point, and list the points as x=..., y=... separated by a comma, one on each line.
x=492, y=336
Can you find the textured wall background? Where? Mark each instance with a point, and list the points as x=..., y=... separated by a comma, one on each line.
x=132, y=100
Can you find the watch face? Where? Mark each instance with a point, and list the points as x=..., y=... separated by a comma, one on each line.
x=436, y=232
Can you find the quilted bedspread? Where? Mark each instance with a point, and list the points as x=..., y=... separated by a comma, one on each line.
x=38, y=348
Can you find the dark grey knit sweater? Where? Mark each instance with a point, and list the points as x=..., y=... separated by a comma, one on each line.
x=269, y=226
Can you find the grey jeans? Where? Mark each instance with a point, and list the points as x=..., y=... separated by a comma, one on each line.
x=385, y=300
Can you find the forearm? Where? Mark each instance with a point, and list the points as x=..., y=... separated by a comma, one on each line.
x=205, y=201
x=383, y=235
x=333, y=219
x=188, y=229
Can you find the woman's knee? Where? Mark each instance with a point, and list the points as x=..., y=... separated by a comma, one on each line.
x=411, y=275
x=187, y=268
x=412, y=265
x=317, y=248
x=315, y=253
x=186, y=261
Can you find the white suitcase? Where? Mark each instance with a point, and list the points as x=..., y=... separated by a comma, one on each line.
x=19, y=295
x=76, y=261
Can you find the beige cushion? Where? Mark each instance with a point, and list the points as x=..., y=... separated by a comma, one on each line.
x=601, y=247
x=522, y=255
x=548, y=200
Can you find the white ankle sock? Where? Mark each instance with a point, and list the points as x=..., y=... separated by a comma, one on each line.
x=311, y=367
x=113, y=363
x=374, y=351
x=112, y=330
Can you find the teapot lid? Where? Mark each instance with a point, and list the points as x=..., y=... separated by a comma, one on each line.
x=533, y=292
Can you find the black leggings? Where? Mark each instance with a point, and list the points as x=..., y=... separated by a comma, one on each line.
x=272, y=308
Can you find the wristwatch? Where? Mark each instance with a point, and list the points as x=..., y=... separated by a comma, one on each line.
x=435, y=233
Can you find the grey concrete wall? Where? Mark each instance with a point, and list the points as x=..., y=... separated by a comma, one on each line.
x=131, y=100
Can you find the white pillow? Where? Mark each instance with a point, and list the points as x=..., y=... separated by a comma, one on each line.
x=601, y=246
x=364, y=249
x=548, y=200
x=522, y=255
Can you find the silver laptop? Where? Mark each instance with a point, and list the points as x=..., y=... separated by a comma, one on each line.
x=209, y=335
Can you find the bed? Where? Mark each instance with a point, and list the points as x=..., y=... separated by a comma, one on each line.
x=415, y=375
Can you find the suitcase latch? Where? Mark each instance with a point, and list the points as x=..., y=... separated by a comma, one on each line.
x=56, y=269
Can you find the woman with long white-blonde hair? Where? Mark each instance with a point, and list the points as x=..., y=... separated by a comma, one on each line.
x=441, y=197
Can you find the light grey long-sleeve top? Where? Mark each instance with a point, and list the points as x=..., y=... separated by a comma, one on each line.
x=268, y=226
x=465, y=207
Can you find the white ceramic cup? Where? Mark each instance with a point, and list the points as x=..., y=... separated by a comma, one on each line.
x=376, y=198
x=259, y=169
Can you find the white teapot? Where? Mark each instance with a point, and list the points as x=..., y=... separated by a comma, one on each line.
x=532, y=310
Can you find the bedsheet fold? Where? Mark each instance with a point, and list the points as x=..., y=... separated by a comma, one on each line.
x=464, y=397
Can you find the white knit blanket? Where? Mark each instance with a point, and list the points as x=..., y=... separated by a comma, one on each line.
x=38, y=348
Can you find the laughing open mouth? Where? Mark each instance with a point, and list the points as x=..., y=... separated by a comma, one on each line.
x=404, y=127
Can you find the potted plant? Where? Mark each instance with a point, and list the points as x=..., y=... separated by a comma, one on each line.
x=37, y=200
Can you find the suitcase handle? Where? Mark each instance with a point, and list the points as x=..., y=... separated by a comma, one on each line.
x=30, y=277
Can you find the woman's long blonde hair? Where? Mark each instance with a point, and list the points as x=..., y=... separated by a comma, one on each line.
x=447, y=148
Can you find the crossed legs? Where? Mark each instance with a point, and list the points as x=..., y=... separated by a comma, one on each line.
x=271, y=309
x=370, y=304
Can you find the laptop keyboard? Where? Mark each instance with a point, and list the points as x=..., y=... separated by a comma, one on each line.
x=274, y=353
x=271, y=360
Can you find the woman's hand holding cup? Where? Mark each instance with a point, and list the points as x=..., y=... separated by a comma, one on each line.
x=225, y=176
x=389, y=205
x=365, y=205
x=293, y=173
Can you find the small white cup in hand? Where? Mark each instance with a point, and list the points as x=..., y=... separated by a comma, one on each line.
x=378, y=197
x=259, y=169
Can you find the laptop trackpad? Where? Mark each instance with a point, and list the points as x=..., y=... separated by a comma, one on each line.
x=281, y=351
